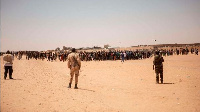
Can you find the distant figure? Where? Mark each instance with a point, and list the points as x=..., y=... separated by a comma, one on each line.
x=20, y=55
x=122, y=56
x=197, y=51
x=158, y=63
x=74, y=64
x=8, y=59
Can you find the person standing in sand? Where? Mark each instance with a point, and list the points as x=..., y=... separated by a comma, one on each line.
x=158, y=63
x=8, y=59
x=196, y=51
x=122, y=56
x=74, y=64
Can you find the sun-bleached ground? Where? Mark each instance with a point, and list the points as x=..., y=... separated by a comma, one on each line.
x=104, y=86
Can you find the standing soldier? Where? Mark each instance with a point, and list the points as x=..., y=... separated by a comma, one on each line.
x=74, y=64
x=158, y=59
x=8, y=58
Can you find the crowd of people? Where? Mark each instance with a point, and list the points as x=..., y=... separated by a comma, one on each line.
x=181, y=51
x=50, y=56
x=85, y=55
x=102, y=55
x=114, y=55
x=74, y=59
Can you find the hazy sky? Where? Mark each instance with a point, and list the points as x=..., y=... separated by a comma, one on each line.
x=47, y=24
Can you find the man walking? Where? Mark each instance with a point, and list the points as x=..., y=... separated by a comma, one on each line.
x=74, y=64
x=8, y=59
x=158, y=59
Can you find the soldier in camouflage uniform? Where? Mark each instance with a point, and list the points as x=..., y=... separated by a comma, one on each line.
x=158, y=59
x=74, y=64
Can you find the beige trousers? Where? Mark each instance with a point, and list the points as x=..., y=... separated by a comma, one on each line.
x=74, y=70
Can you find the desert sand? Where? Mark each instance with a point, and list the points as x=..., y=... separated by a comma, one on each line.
x=104, y=86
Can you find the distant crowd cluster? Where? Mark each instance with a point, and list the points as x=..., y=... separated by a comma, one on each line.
x=101, y=55
x=50, y=56
x=114, y=55
x=85, y=56
x=179, y=51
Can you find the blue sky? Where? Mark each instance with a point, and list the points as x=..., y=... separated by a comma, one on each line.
x=47, y=24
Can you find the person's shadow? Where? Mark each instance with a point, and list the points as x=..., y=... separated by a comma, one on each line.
x=14, y=79
x=86, y=89
x=165, y=83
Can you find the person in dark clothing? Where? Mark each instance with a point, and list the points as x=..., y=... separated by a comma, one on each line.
x=158, y=63
x=8, y=59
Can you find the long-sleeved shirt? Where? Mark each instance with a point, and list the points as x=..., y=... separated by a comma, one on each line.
x=8, y=63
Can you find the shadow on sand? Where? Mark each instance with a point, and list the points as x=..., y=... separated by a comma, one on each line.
x=86, y=90
x=13, y=79
x=165, y=83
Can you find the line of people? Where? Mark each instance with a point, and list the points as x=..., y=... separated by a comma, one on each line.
x=114, y=55
x=85, y=56
x=176, y=51
x=102, y=55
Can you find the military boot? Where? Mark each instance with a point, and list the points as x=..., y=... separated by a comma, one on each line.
x=75, y=86
x=161, y=77
x=10, y=77
x=69, y=85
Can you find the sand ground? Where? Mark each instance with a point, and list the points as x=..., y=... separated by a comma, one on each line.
x=105, y=86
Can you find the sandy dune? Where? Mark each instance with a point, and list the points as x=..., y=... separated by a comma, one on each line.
x=105, y=86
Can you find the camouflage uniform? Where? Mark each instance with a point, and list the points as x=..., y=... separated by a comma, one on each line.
x=74, y=63
x=158, y=59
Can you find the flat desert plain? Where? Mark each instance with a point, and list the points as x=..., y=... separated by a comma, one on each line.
x=104, y=86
